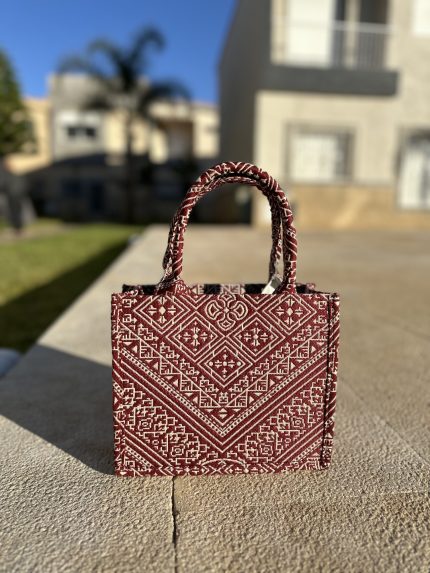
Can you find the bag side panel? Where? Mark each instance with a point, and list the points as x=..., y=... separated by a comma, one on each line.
x=332, y=371
x=117, y=388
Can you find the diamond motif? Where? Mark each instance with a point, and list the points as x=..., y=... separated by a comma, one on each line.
x=256, y=337
x=160, y=309
x=194, y=335
x=292, y=312
x=224, y=364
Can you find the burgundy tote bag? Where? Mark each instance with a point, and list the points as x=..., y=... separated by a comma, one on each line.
x=225, y=378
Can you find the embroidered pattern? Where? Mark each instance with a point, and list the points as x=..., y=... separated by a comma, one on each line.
x=258, y=398
x=222, y=378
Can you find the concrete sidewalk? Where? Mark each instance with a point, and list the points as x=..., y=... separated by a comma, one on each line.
x=63, y=510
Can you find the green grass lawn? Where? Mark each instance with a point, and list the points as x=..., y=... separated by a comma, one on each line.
x=41, y=276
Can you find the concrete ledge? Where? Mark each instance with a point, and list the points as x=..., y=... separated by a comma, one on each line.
x=63, y=510
x=353, y=207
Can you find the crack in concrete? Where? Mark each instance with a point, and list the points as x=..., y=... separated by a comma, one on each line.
x=175, y=527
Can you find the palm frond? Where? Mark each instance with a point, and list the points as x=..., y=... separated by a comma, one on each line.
x=144, y=39
x=109, y=50
x=85, y=66
x=120, y=64
x=161, y=91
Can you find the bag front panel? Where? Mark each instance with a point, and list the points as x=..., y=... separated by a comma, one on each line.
x=223, y=383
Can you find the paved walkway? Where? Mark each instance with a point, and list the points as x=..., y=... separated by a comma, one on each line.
x=63, y=510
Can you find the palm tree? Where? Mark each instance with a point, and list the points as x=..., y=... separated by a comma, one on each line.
x=123, y=85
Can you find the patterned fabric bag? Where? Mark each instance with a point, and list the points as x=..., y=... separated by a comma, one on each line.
x=225, y=378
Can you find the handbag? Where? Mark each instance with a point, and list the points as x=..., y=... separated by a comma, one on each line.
x=224, y=378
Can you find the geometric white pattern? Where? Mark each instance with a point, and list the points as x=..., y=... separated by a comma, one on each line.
x=277, y=382
x=224, y=378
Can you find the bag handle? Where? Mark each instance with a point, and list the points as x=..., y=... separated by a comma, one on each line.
x=276, y=249
x=211, y=179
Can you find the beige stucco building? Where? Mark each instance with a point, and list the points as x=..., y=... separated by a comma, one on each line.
x=332, y=97
x=21, y=163
x=77, y=171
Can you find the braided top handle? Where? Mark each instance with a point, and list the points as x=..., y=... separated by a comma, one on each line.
x=276, y=249
x=231, y=172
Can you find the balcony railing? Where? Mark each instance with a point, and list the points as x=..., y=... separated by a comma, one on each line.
x=338, y=45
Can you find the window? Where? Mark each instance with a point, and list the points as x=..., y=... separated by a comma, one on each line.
x=79, y=127
x=337, y=33
x=81, y=132
x=179, y=140
x=319, y=156
x=71, y=131
x=309, y=31
x=421, y=18
x=90, y=132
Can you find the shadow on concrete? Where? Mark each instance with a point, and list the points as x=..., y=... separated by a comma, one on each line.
x=66, y=400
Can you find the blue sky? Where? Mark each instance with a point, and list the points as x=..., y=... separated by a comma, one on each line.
x=37, y=33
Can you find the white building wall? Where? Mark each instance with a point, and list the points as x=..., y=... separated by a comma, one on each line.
x=241, y=63
x=368, y=120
